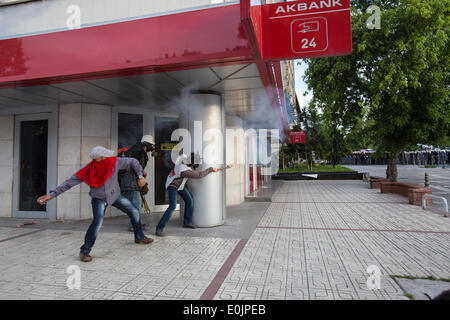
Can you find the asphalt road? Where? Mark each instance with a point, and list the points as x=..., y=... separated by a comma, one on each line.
x=439, y=177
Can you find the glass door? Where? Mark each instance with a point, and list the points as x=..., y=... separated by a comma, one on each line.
x=131, y=124
x=34, y=165
x=163, y=128
x=130, y=129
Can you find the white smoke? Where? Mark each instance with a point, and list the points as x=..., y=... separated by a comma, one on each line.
x=259, y=118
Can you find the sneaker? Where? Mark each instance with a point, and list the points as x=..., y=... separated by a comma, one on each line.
x=85, y=257
x=159, y=233
x=190, y=225
x=144, y=240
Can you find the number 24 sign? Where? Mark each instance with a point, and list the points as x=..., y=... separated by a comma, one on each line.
x=309, y=35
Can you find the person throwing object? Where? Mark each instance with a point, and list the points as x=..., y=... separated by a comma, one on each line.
x=175, y=183
x=101, y=175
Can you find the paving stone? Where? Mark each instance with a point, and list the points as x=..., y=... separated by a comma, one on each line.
x=315, y=241
x=423, y=289
x=327, y=233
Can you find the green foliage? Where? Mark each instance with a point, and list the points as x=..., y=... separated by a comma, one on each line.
x=311, y=121
x=406, y=64
x=393, y=91
x=358, y=137
x=415, y=278
x=315, y=168
x=316, y=138
x=325, y=140
x=409, y=296
x=338, y=147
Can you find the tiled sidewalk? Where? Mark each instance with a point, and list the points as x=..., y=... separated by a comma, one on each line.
x=34, y=267
x=318, y=238
x=315, y=241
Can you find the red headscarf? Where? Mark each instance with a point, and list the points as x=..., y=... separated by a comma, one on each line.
x=96, y=173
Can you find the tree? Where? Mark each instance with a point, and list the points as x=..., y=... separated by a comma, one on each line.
x=338, y=147
x=316, y=139
x=358, y=136
x=400, y=73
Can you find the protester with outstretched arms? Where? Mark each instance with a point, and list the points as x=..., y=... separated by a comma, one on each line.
x=175, y=184
x=101, y=175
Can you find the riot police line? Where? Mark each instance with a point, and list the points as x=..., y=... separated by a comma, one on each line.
x=419, y=158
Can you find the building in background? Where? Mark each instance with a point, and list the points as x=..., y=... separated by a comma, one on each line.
x=79, y=73
x=292, y=105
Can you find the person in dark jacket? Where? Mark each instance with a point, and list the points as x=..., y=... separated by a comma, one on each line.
x=175, y=184
x=128, y=180
x=101, y=175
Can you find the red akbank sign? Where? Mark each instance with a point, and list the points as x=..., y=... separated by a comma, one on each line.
x=303, y=6
x=297, y=136
x=306, y=28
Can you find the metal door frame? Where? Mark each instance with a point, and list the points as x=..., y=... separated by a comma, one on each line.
x=52, y=146
x=148, y=128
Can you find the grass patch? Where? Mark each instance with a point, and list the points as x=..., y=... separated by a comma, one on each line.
x=316, y=168
x=422, y=278
x=409, y=296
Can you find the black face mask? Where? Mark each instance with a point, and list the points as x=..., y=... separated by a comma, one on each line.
x=148, y=145
x=193, y=164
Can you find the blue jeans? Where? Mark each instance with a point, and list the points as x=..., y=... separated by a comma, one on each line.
x=98, y=210
x=188, y=208
x=135, y=198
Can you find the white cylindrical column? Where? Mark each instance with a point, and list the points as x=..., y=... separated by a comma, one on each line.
x=206, y=124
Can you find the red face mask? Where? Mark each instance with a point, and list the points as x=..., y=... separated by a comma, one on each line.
x=96, y=173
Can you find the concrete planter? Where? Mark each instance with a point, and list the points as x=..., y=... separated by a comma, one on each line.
x=415, y=196
x=414, y=192
x=375, y=182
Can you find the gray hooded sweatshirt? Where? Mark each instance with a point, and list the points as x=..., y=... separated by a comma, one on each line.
x=110, y=191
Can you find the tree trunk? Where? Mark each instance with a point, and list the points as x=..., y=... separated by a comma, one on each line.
x=391, y=171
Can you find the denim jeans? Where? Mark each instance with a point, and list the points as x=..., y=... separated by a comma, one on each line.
x=135, y=198
x=188, y=208
x=98, y=210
